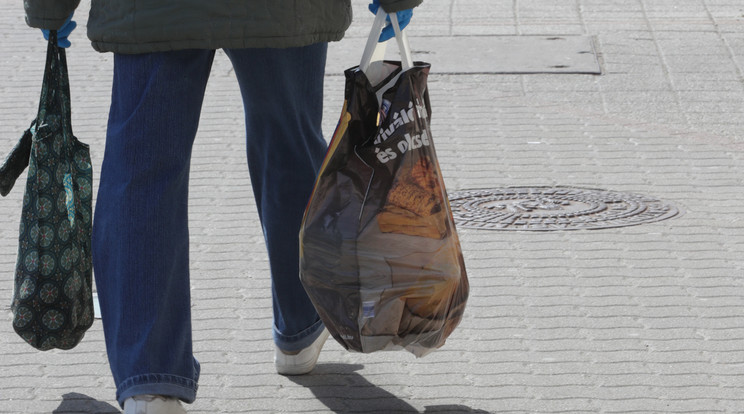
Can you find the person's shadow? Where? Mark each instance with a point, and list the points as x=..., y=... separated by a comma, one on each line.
x=74, y=403
x=342, y=390
x=338, y=386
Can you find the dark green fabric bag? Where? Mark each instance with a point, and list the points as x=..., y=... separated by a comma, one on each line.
x=52, y=298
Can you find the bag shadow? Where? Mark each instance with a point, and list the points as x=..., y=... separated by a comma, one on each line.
x=340, y=388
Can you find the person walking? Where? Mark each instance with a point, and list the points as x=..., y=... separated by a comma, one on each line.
x=163, y=52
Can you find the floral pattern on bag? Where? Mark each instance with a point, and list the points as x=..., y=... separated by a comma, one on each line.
x=52, y=301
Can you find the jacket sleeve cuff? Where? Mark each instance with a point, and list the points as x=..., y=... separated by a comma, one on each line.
x=392, y=6
x=48, y=14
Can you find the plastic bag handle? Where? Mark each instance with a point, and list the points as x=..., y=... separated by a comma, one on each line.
x=376, y=50
x=403, y=46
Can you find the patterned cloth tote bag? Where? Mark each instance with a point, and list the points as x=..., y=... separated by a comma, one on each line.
x=52, y=298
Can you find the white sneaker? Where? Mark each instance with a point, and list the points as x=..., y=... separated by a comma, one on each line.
x=302, y=361
x=152, y=404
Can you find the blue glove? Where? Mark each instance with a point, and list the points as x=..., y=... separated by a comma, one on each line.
x=63, y=32
x=388, y=32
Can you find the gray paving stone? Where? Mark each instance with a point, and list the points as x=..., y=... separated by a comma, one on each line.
x=637, y=319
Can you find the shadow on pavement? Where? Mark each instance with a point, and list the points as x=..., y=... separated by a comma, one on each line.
x=343, y=390
x=74, y=403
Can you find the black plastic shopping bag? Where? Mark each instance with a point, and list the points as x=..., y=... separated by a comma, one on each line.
x=380, y=256
x=52, y=298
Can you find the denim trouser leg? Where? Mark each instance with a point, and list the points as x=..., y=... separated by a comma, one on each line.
x=140, y=236
x=282, y=93
x=141, y=225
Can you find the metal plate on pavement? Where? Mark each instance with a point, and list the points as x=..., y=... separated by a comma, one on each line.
x=554, y=208
x=483, y=54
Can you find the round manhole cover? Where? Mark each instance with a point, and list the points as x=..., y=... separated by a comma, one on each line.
x=554, y=208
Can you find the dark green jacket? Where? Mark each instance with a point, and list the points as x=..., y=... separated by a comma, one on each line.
x=131, y=26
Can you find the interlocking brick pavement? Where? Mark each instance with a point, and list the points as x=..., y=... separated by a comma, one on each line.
x=643, y=319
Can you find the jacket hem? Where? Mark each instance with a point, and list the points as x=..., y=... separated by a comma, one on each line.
x=255, y=42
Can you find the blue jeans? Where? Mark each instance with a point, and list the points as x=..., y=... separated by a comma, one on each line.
x=140, y=234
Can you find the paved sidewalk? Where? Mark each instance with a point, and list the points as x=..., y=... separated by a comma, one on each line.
x=642, y=319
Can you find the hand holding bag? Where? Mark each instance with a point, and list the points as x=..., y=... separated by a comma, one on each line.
x=52, y=298
x=380, y=257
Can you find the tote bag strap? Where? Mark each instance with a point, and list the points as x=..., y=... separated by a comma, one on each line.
x=47, y=92
x=64, y=87
x=56, y=84
x=374, y=50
